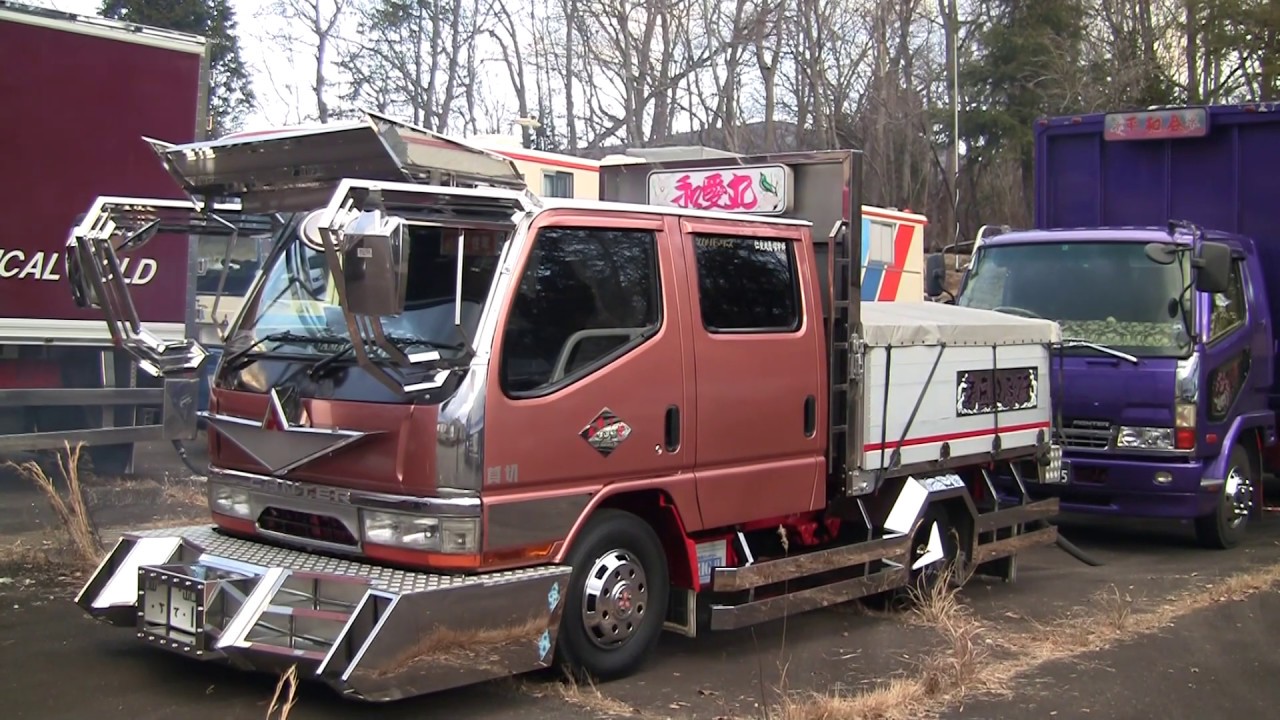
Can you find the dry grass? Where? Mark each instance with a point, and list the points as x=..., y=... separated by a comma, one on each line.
x=585, y=696
x=966, y=665
x=179, y=493
x=950, y=672
x=289, y=680
x=76, y=532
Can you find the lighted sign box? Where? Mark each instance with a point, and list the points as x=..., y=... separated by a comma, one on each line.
x=1157, y=124
x=754, y=189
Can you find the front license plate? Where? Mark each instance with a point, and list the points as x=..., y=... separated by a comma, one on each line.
x=1064, y=473
x=182, y=610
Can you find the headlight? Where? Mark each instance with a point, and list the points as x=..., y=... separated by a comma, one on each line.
x=1145, y=438
x=229, y=501
x=420, y=532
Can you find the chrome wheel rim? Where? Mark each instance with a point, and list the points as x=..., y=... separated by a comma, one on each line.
x=1239, y=495
x=615, y=599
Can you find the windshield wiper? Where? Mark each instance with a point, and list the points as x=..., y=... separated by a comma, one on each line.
x=400, y=341
x=284, y=336
x=1080, y=342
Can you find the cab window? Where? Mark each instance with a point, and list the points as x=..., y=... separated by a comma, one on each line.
x=586, y=297
x=747, y=285
x=1228, y=311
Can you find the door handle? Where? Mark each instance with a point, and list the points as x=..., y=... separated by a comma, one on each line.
x=672, y=434
x=810, y=416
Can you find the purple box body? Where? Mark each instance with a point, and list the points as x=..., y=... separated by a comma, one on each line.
x=1106, y=186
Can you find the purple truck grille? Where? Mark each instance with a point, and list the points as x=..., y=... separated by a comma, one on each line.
x=309, y=526
x=1086, y=434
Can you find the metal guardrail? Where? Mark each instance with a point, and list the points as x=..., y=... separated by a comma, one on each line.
x=54, y=439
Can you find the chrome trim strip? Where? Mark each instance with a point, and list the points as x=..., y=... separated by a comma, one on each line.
x=329, y=495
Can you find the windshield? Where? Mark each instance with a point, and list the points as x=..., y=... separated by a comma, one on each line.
x=1105, y=293
x=299, y=296
x=246, y=257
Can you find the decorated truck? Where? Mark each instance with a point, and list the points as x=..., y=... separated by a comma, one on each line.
x=1155, y=247
x=61, y=378
x=461, y=431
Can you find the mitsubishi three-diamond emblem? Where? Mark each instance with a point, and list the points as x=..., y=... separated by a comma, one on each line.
x=606, y=432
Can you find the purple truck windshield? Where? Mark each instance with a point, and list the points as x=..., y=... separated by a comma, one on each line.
x=1107, y=293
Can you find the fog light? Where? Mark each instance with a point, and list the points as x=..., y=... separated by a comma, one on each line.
x=1163, y=478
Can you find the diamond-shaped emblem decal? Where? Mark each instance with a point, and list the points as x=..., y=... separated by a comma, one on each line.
x=606, y=432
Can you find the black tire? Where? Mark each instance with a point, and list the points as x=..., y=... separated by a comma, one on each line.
x=1225, y=527
x=922, y=583
x=109, y=461
x=612, y=551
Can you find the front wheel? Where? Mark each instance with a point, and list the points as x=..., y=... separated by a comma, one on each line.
x=1225, y=527
x=617, y=597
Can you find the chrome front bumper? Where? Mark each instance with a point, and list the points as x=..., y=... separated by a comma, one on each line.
x=373, y=633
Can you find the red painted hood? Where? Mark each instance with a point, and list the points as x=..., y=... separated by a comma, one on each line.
x=396, y=454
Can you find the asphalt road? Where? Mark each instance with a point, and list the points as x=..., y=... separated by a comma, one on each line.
x=1213, y=663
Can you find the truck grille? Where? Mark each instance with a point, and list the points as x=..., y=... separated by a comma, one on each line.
x=1086, y=434
x=309, y=526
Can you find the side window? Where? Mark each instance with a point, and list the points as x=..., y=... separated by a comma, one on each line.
x=880, y=243
x=587, y=296
x=747, y=284
x=557, y=184
x=1228, y=308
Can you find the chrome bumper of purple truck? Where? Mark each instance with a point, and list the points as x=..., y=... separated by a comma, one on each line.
x=373, y=633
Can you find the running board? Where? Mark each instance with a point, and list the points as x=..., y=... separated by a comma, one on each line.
x=732, y=617
x=1009, y=546
x=789, y=568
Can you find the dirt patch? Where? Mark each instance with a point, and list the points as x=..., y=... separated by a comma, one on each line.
x=978, y=659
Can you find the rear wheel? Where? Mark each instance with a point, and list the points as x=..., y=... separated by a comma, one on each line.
x=617, y=599
x=935, y=547
x=936, y=557
x=1224, y=528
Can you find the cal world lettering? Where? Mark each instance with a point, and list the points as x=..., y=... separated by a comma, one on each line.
x=44, y=266
x=979, y=392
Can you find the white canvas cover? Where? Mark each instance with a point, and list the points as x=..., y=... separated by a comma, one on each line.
x=931, y=323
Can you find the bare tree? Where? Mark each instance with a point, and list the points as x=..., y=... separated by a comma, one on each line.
x=314, y=24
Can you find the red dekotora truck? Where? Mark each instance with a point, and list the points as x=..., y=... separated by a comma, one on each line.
x=459, y=431
x=76, y=93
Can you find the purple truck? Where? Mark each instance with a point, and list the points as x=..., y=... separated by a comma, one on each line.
x=1157, y=234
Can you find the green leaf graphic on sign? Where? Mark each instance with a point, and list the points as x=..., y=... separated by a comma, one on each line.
x=766, y=185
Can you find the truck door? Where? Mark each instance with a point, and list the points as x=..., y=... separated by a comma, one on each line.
x=587, y=384
x=1229, y=354
x=758, y=385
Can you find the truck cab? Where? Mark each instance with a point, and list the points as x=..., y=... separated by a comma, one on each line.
x=1152, y=254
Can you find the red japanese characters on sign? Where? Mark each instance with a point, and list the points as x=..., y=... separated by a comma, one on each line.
x=714, y=193
x=759, y=190
x=1157, y=124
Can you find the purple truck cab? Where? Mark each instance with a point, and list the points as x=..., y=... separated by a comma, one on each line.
x=1157, y=243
